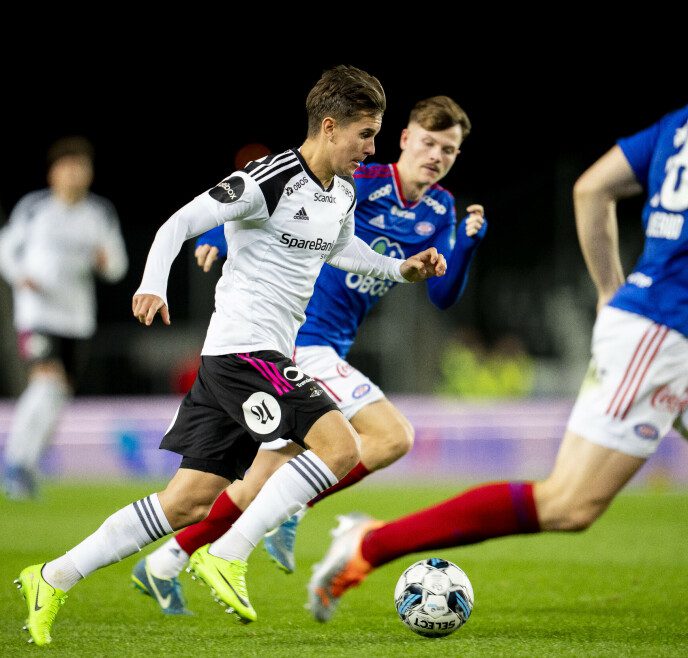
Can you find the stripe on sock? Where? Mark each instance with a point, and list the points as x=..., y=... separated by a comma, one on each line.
x=157, y=526
x=314, y=470
x=141, y=511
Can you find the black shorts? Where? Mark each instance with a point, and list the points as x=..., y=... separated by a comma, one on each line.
x=239, y=401
x=39, y=346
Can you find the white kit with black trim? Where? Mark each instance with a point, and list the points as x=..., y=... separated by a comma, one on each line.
x=281, y=225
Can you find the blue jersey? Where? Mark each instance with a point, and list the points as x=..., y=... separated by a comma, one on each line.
x=658, y=286
x=392, y=226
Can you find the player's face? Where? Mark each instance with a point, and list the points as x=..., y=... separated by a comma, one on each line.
x=72, y=173
x=352, y=143
x=429, y=155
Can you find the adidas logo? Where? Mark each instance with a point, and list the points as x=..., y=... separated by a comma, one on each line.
x=301, y=214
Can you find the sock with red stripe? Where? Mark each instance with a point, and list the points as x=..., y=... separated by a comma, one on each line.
x=356, y=474
x=486, y=512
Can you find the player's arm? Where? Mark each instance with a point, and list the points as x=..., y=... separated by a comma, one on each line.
x=13, y=239
x=460, y=245
x=594, y=198
x=209, y=247
x=234, y=199
x=352, y=254
x=111, y=260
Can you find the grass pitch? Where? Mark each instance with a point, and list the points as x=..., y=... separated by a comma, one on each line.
x=619, y=589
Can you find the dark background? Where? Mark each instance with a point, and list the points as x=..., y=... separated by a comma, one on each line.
x=165, y=130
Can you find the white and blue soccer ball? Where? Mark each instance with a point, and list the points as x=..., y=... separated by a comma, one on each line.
x=434, y=597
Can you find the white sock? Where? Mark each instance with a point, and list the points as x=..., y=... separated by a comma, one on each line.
x=286, y=491
x=122, y=534
x=168, y=561
x=35, y=417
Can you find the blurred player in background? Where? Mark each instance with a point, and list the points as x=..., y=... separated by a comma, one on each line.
x=56, y=240
x=636, y=386
x=400, y=209
x=248, y=390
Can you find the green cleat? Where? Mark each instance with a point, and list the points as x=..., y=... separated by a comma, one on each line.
x=227, y=582
x=43, y=602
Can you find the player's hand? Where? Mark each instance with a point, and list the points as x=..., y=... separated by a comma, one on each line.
x=475, y=220
x=146, y=306
x=424, y=265
x=206, y=255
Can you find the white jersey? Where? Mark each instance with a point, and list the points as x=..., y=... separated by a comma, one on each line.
x=55, y=245
x=281, y=225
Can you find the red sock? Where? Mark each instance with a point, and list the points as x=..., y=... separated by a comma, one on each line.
x=222, y=515
x=356, y=474
x=492, y=510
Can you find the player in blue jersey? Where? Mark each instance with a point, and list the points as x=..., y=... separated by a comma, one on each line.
x=637, y=384
x=400, y=209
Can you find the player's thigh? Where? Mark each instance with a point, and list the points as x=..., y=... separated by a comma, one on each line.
x=586, y=476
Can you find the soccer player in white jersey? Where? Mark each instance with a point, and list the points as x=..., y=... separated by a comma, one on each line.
x=56, y=240
x=400, y=207
x=636, y=386
x=285, y=216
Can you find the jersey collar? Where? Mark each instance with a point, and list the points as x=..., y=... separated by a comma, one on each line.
x=310, y=174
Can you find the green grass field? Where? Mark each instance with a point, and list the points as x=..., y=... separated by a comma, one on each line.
x=619, y=589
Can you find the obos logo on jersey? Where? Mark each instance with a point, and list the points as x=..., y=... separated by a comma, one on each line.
x=262, y=413
x=368, y=284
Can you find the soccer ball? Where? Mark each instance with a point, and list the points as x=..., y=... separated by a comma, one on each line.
x=433, y=597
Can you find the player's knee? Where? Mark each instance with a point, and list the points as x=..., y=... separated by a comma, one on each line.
x=397, y=439
x=345, y=458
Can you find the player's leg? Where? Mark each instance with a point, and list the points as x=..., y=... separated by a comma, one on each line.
x=270, y=397
x=200, y=427
x=159, y=571
x=616, y=424
x=38, y=409
x=187, y=498
x=386, y=435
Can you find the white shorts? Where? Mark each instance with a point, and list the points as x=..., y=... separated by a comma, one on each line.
x=636, y=386
x=348, y=387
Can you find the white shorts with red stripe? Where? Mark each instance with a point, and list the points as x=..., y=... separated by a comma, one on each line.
x=636, y=386
x=348, y=387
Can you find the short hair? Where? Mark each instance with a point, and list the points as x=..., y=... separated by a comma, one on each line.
x=440, y=113
x=73, y=145
x=344, y=93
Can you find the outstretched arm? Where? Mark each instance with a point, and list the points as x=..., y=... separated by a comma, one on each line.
x=357, y=256
x=460, y=249
x=594, y=198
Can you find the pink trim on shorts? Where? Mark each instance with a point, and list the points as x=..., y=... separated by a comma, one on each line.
x=273, y=375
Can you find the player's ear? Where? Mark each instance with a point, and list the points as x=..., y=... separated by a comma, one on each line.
x=403, y=141
x=328, y=125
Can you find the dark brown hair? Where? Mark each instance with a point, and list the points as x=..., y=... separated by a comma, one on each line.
x=344, y=93
x=440, y=113
x=74, y=145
